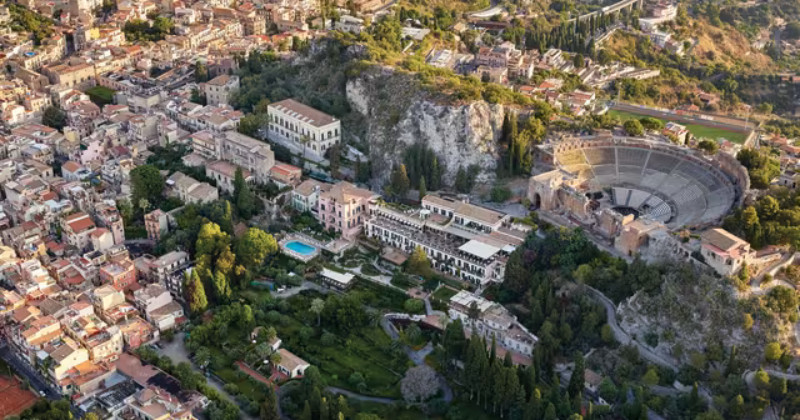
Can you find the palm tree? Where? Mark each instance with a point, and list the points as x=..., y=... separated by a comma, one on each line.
x=144, y=205
x=317, y=305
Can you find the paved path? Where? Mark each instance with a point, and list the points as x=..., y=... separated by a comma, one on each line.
x=360, y=397
x=418, y=357
x=306, y=285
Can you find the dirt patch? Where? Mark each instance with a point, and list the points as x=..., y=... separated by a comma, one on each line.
x=14, y=399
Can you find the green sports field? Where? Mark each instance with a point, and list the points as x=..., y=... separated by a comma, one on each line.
x=697, y=130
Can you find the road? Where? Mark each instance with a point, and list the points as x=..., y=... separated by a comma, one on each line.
x=623, y=336
x=34, y=378
x=176, y=350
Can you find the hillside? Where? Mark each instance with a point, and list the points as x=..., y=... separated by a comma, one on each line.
x=459, y=118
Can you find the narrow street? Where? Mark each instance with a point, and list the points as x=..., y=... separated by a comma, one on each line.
x=176, y=350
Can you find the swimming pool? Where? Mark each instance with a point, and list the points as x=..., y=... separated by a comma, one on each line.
x=300, y=248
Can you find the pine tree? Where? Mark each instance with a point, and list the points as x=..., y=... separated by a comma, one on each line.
x=423, y=190
x=493, y=354
x=269, y=408
x=462, y=183
x=243, y=196
x=306, y=414
x=222, y=289
x=324, y=410
x=399, y=182
x=576, y=381
x=436, y=175
x=195, y=293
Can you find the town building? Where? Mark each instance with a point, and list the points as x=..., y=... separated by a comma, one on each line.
x=344, y=208
x=303, y=126
x=219, y=89
x=725, y=252
x=493, y=321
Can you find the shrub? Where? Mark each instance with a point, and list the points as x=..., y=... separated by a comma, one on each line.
x=414, y=306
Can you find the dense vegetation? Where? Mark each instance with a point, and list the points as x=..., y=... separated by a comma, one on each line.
x=773, y=220
x=143, y=30
x=23, y=19
x=761, y=166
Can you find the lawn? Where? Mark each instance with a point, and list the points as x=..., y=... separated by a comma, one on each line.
x=444, y=293
x=101, y=95
x=697, y=130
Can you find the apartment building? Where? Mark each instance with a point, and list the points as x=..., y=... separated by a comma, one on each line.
x=77, y=229
x=493, y=321
x=305, y=197
x=344, y=208
x=247, y=153
x=220, y=89
x=156, y=303
x=155, y=223
x=190, y=190
x=301, y=124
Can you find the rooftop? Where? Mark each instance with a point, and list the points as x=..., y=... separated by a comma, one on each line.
x=303, y=112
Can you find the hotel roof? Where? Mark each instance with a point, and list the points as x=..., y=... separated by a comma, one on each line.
x=303, y=112
x=479, y=249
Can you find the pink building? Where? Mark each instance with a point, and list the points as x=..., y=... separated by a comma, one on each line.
x=344, y=208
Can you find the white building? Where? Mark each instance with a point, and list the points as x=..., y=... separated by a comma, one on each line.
x=292, y=121
x=460, y=239
x=493, y=321
x=725, y=252
x=246, y=152
x=306, y=195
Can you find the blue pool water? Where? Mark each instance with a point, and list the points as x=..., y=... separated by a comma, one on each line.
x=301, y=248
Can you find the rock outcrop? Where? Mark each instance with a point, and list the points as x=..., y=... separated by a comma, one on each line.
x=398, y=113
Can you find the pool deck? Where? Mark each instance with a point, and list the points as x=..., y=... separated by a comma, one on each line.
x=294, y=237
x=335, y=246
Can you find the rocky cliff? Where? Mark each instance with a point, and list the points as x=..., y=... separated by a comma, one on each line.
x=397, y=113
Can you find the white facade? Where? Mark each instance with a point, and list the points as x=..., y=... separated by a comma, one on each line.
x=292, y=121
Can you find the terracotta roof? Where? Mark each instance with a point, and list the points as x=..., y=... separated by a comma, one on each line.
x=722, y=239
x=290, y=361
x=303, y=112
x=70, y=166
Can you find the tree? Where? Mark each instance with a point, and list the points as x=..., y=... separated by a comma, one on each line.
x=418, y=262
x=650, y=377
x=462, y=183
x=577, y=61
x=335, y=157
x=222, y=288
x=317, y=306
x=709, y=146
x=243, y=196
x=54, y=117
x=419, y=384
x=399, y=182
x=792, y=30
x=652, y=124
x=147, y=183
x=255, y=246
x=414, y=306
x=423, y=189
x=200, y=72
x=576, y=381
x=773, y=352
x=195, y=293
x=633, y=128
x=269, y=408
x=747, y=322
